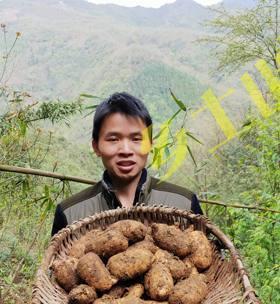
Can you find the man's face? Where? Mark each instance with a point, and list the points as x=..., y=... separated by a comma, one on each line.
x=120, y=146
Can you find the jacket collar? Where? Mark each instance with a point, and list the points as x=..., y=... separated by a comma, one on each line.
x=142, y=190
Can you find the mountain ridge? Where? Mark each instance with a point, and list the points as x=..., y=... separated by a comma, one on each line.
x=80, y=47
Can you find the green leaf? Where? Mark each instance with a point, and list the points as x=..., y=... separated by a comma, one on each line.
x=155, y=156
x=23, y=127
x=194, y=138
x=88, y=96
x=172, y=117
x=248, y=122
x=191, y=154
x=166, y=152
x=91, y=107
x=178, y=101
x=46, y=191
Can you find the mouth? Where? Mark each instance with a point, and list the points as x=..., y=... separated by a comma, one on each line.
x=125, y=165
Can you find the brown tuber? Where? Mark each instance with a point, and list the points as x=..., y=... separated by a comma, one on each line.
x=159, y=282
x=163, y=258
x=82, y=294
x=130, y=264
x=189, y=291
x=78, y=247
x=65, y=272
x=172, y=239
x=91, y=269
x=107, y=243
x=133, y=230
x=176, y=266
x=117, y=291
x=201, y=255
x=190, y=266
x=147, y=243
x=132, y=297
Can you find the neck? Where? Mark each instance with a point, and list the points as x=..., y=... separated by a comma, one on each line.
x=125, y=190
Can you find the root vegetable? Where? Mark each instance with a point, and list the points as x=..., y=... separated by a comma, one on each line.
x=78, y=248
x=159, y=255
x=133, y=296
x=189, y=229
x=172, y=239
x=105, y=299
x=190, y=266
x=65, y=273
x=159, y=282
x=92, y=270
x=117, y=291
x=136, y=290
x=153, y=302
x=107, y=243
x=176, y=266
x=130, y=264
x=201, y=255
x=147, y=243
x=135, y=231
x=189, y=291
x=82, y=294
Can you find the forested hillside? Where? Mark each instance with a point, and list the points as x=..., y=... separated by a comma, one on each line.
x=69, y=47
x=60, y=58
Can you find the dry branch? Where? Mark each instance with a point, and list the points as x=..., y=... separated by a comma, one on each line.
x=62, y=177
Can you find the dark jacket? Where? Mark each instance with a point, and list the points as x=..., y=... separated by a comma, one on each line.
x=101, y=197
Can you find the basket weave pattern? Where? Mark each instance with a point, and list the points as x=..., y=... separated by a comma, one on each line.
x=228, y=280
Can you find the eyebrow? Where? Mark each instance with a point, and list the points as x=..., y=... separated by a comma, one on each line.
x=117, y=134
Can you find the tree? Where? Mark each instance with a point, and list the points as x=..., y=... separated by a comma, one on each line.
x=243, y=37
x=247, y=171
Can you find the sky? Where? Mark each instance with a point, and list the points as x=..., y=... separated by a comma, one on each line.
x=148, y=3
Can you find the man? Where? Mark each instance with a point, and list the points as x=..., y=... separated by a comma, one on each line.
x=119, y=125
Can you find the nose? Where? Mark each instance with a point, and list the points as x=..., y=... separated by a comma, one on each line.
x=125, y=148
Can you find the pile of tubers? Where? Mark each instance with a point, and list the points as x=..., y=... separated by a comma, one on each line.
x=131, y=263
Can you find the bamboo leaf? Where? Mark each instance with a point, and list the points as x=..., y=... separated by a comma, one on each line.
x=173, y=116
x=194, y=138
x=178, y=101
x=191, y=154
x=179, y=154
x=91, y=107
x=88, y=95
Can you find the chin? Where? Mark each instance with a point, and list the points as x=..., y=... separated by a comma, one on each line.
x=127, y=176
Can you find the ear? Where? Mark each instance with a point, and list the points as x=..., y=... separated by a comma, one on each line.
x=95, y=148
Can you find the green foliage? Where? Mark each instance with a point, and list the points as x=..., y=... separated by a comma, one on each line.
x=242, y=37
x=247, y=172
x=170, y=144
x=27, y=203
x=153, y=84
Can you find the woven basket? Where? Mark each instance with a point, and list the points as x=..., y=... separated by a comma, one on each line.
x=228, y=280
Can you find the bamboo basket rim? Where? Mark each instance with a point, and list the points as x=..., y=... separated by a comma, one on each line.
x=107, y=217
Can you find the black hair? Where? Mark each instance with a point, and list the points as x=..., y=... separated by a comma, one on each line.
x=123, y=103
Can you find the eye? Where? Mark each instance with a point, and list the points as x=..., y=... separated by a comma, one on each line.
x=112, y=139
x=137, y=138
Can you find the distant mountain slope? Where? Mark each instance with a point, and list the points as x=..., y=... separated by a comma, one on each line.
x=239, y=4
x=72, y=46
